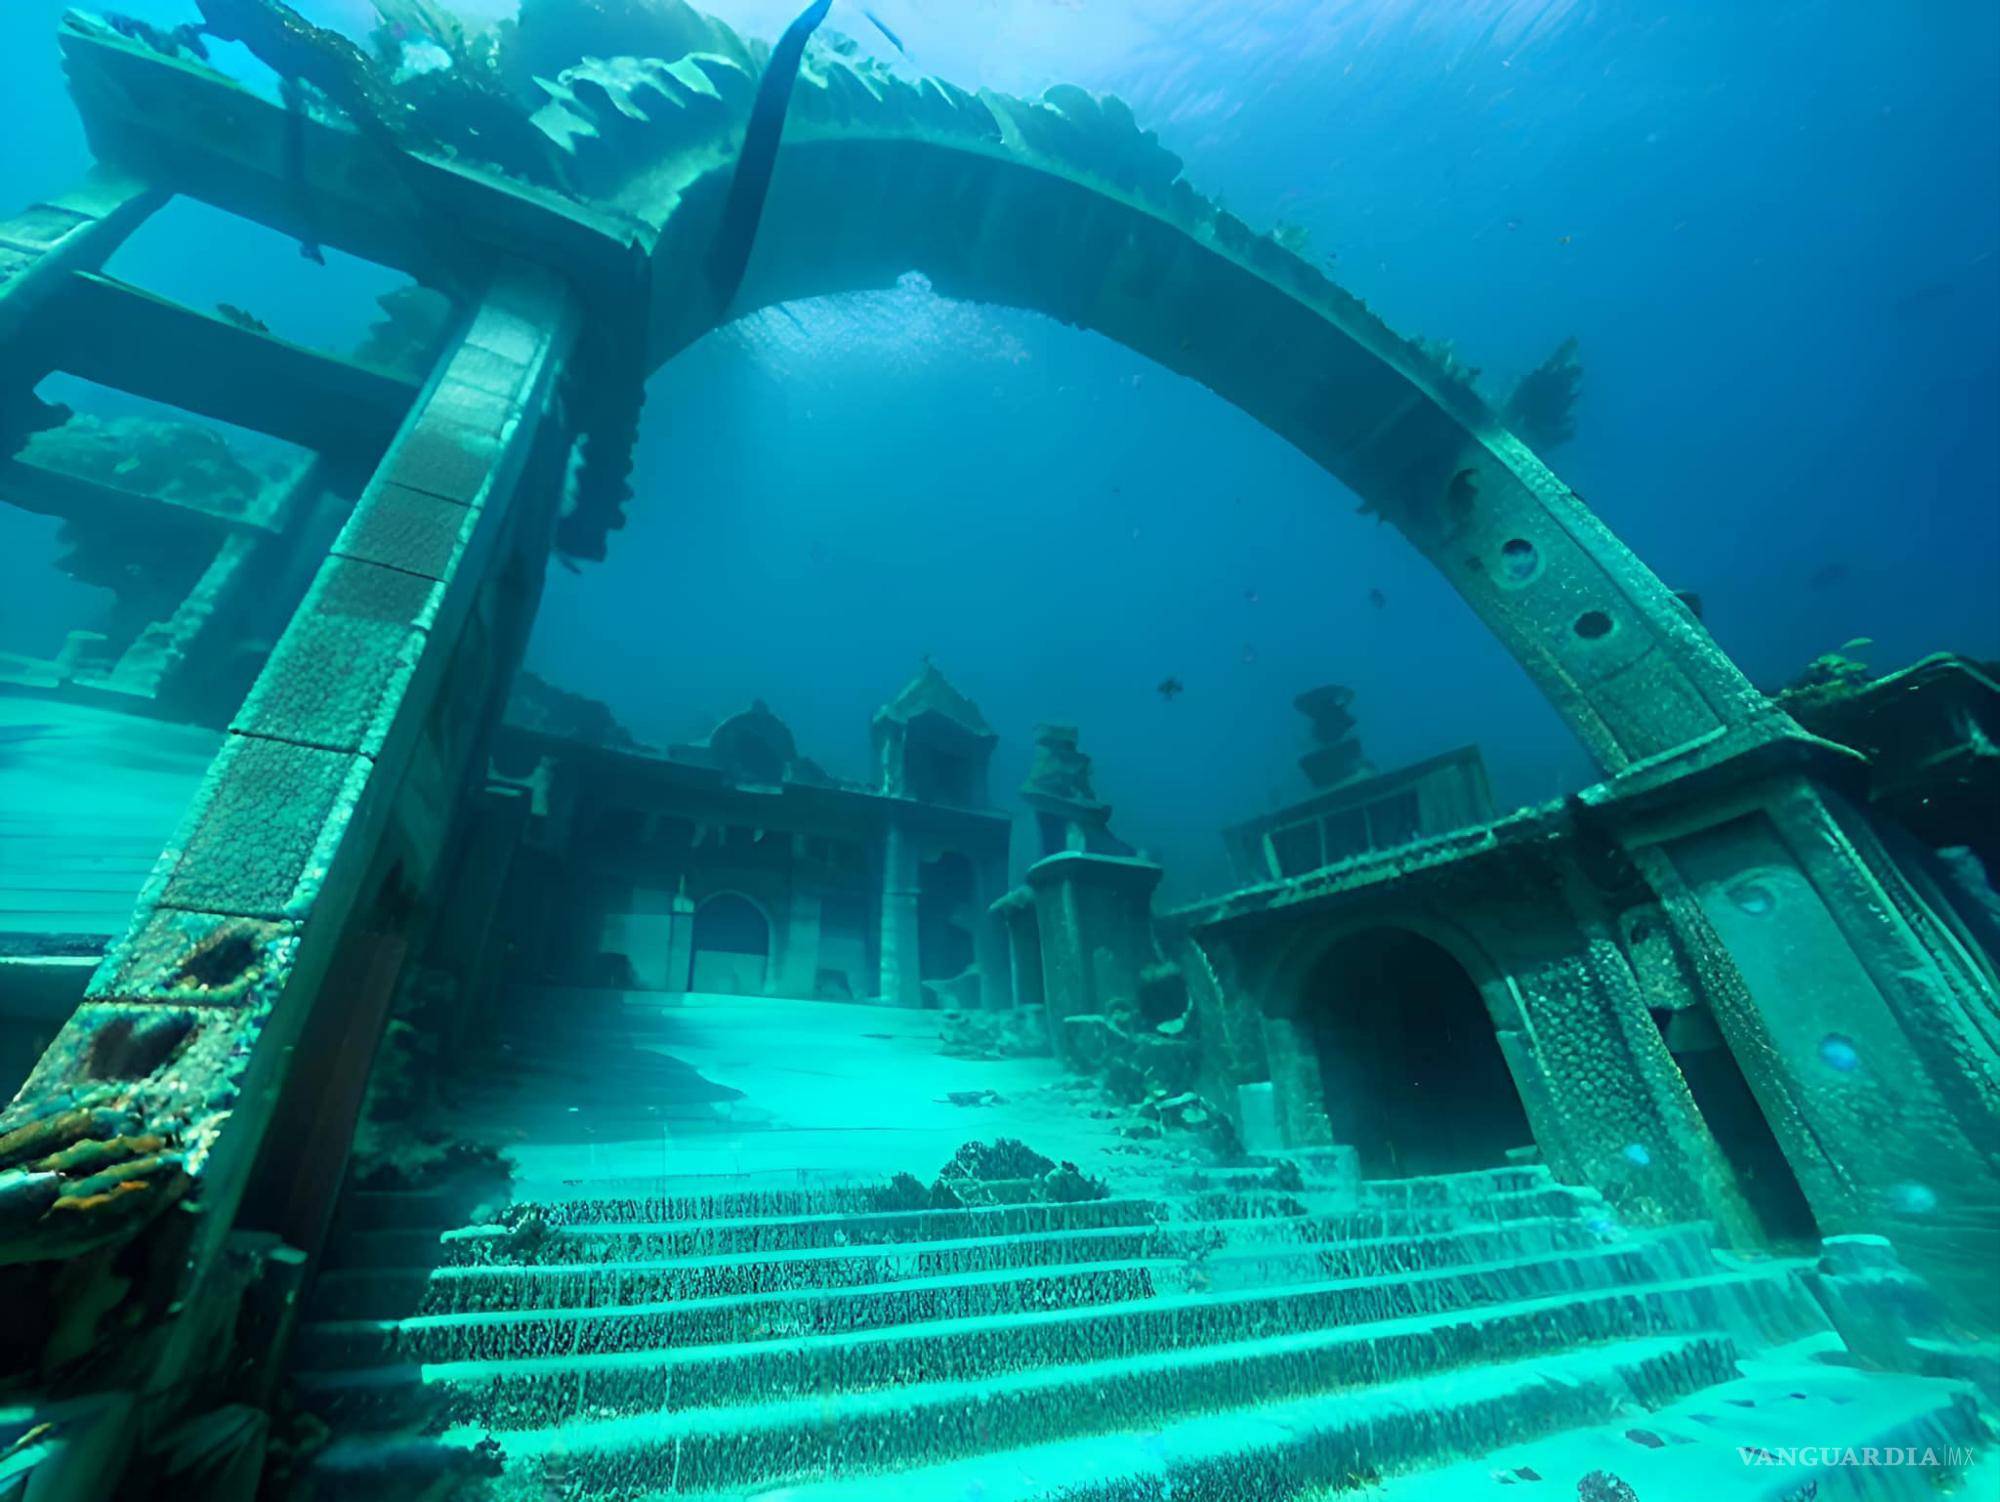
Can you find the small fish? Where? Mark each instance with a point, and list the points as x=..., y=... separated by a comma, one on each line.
x=1826, y=576
x=1379, y=600
x=1251, y=597
x=1564, y=239
x=1513, y=224
x=1249, y=653
x=894, y=40
x=1856, y=643
x=242, y=318
x=1170, y=686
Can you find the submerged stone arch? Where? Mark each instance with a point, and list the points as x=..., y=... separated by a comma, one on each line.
x=1064, y=207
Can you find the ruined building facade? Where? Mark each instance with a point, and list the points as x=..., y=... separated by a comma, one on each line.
x=737, y=866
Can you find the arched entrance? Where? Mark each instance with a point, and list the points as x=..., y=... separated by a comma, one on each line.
x=1414, y=1076
x=732, y=947
x=945, y=889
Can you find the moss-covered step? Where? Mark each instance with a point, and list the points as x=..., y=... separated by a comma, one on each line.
x=688, y=1322
x=480, y=1245
x=1796, y=1423
x=684, y=1323
x=1248, y=1257
x=924, y=1416
x=1288, y=1449
x=380, y=1293
x=1293, y=1328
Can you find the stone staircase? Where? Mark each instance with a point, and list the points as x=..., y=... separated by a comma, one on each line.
x=1224, y=1336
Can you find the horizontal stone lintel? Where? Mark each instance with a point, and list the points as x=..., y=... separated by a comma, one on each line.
x=186, y=958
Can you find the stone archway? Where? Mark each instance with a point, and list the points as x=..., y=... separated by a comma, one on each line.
x=1412, y=1070
x=1064, y=206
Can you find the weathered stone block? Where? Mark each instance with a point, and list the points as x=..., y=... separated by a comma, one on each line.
x=471, y=407
x=494, y=371
x=1169, y=1064
x=443, y=459
x=407, y=529
x=187, y=959
x=1091, y=1040
x=344, y=664
x=264, y=829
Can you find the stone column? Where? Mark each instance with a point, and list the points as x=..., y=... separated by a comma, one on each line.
x=901, y=980
x=1016, y=912
x=1095, y=914
x=680, y=941
x=797, y=964
x=991, y=947
x=1861, y=1029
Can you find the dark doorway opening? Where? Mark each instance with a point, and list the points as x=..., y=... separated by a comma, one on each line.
x=944, y=917
x=1414, y=1076
x=1738, y=1125
x=732, y=947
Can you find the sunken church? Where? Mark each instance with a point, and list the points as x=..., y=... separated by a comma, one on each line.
x=421, y=1088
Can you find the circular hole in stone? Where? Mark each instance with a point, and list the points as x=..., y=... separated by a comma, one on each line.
x=1911, y=1198
x=1753, y=897
x=1593, y=624
x=126, y=1049
x=219, y=960
x=1520, y=560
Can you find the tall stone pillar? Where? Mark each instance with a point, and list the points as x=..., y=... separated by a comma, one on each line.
x=798, y=961
x=680, y=940
x=992, y=951
x=902, y=979
x=1016, y=911
x=1862, y=1028
x=1095, y=913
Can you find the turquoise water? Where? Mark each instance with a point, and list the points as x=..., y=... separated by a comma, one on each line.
x=1099, y=887
x=1770, y=228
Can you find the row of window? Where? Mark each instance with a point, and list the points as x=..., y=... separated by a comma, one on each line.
x=1324, y=839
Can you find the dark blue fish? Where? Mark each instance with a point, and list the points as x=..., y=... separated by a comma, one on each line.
x=1170, y=686
x=752, y=182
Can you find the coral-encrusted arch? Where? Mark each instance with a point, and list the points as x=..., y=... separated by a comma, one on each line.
x=1063, y=206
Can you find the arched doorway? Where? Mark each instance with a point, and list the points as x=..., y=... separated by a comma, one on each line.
x=1414, y=1076
x=732, y=947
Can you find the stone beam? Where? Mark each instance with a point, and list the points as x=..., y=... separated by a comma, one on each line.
x=120, y=336
x=54, y=492
x=42, y=245
x=188, y=1030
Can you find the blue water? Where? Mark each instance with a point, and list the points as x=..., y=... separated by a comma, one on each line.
x=1774, y=229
